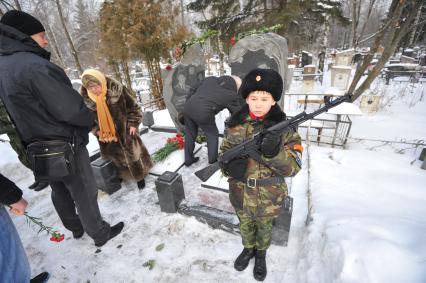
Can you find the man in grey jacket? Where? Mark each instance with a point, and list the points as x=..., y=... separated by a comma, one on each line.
x=43, y=105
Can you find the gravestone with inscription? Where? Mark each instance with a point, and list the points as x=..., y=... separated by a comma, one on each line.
x=340, y=77
x=344, y=58
x=180, y=79
x=267, y=51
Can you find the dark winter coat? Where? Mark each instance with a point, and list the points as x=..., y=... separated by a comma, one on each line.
x=212, y=96
x=261, y=201
x=9, y=192
x=129, y=154
x=38, y=94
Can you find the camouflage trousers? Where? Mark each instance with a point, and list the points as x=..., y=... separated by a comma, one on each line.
x=18, y=147
x=255, y=232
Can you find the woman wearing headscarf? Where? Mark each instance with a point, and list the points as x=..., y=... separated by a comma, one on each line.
x=117, y=122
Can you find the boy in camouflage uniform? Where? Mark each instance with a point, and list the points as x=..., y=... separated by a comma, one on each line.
x=257, y=189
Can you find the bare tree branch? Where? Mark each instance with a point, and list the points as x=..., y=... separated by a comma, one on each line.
x=18, y=6
x=370, y=9
x=67, y=34
x=7, y=5
x=401, y=21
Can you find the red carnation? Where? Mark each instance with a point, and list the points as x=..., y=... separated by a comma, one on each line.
x=57, y=237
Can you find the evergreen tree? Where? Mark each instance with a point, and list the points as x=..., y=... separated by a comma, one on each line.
x=224, y=17
x=301, y=19
x=142, y=29
x=113, y=40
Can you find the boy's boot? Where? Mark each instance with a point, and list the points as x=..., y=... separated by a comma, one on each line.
x=259, y=271
x=243, y=259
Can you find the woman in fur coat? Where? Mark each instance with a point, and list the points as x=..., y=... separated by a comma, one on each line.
x=117, y=122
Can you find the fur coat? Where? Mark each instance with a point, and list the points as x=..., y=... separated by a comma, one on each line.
x=129, y=154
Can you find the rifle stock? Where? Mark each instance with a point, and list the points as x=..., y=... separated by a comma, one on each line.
x=205, y=173
x=250, y=147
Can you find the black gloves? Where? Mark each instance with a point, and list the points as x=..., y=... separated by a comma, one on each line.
x=235, y=168
x=271, y=144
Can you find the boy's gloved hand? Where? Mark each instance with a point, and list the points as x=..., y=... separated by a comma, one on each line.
x=235, y=168
x=271, y=144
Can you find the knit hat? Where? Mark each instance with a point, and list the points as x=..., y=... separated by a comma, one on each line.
x=22, y=21
x=264, y=80
x=86, y=79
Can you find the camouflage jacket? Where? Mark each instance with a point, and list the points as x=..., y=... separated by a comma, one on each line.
x=262, y=201
x=6, y=125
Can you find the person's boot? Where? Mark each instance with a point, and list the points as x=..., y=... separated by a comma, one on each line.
x=77, y=234
x=189, y=163
x=243, y=259
x=33, y=185
x=115, y=230
x=41, y=186
x=259, y=270
x=41, y=278
x=141, y=184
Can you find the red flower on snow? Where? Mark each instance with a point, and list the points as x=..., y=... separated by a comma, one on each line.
x=168, y=67
x=233, y=40
x=57, y=237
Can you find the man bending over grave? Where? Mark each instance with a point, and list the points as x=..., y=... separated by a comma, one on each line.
x=211, y=96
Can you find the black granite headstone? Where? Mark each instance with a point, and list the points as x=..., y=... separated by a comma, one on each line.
x=170, y=191
x=148, y=118
x=179, y=81
x=106, y=175
x=422, y=154
x=306, y=58
x=252, y=60
x=267, y=51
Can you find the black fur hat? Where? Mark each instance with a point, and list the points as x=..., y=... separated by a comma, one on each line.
x=262, y=79
x=22, y=21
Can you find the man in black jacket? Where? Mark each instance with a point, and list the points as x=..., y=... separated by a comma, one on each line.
x=212, y=96
x=43, y=105
x=14, y=266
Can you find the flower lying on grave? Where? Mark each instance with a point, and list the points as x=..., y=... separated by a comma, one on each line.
x=172, y=144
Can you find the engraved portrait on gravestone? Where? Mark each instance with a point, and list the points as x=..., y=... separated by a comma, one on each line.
x=252, y=60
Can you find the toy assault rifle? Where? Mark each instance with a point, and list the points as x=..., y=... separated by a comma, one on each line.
x=251, y=147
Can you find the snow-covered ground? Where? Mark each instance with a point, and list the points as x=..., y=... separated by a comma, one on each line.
x=367, y=215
